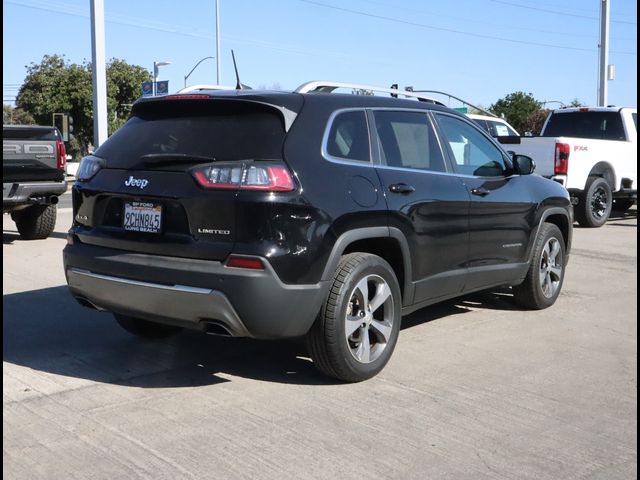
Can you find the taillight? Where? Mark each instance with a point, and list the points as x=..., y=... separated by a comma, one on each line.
x=245, y=262
x=61, y=155
x=267, y=178
x=561, y=164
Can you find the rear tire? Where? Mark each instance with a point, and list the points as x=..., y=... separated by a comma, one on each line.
x=594, y=205
x=36, y=222
x=543, y=282
x=357, y=329
x=145, y=328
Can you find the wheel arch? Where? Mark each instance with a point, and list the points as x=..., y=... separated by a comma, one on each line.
x=605, y=170
x=386, y=242
x=560, y=218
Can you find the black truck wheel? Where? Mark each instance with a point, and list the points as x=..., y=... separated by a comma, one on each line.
x=594, y=205
x=36, y=222
x=357, y=329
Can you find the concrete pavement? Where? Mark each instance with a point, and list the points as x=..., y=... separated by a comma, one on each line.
x=476, y=389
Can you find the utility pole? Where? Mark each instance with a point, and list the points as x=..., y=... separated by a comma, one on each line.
x=218, y=42
x=99, y=74
x=604, y=53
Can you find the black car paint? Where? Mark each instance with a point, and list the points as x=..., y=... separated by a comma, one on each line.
x=456, y=241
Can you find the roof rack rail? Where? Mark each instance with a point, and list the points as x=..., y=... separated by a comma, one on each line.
x=486, y=112
x=322, y=86
x=196, y=88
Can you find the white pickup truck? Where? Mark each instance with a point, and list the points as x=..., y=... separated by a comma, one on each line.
x=593, y=152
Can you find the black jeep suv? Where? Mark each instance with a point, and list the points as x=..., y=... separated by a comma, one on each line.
x=307, y=213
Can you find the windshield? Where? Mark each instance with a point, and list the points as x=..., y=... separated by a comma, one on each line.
x=598, y=125
x=223, y=132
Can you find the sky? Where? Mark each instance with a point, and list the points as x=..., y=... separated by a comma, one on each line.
x=479, y=50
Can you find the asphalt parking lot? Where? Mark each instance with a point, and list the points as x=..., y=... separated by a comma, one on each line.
x=476, y=387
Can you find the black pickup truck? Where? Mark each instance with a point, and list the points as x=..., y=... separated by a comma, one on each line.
x=33, y=171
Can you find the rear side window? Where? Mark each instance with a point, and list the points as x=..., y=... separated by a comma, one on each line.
x=499, y=129
x=37, y=134
x=597, y=125
x=407, y=140
x=349, y=137
x=226, y=131
x=635, y=120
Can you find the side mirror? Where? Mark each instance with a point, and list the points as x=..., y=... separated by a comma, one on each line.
x=523, y=165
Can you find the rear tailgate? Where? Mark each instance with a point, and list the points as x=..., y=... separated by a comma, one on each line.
x=540, y=149
x=148, y=199
x=29, y=154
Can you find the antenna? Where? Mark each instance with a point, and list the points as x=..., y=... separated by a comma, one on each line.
x=239, y=86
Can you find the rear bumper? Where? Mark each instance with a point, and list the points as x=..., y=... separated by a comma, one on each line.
x=20, y=193
x=191, y=293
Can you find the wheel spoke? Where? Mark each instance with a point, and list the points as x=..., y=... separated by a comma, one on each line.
x=364, y=349
x=383, y=328
x=363, y=286
x=555, y=249
x=548, y=286
x=351, y=325
x=382, y=294
x=557, y=272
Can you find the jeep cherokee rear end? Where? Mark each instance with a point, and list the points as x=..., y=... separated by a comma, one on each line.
x=162, y=205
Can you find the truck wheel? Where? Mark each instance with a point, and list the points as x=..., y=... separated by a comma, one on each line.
x=543, y=282
x=36, y=222
x=594, y=205
x=146, y=328
x=622, y=205
x=357, y=329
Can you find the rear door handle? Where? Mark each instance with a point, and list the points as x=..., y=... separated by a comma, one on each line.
x=481, y=192
x=401, y=188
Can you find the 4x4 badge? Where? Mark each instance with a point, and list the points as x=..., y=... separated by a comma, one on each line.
x=136, y=182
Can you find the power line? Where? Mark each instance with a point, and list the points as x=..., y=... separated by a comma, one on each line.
x=451, y=30
x=556, y=12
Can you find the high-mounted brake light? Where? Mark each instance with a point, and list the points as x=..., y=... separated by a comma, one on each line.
x=245, y=262
x=561, y=164
x=584, y=109
x=185, y=97
x=266, y=178
x=61, y=155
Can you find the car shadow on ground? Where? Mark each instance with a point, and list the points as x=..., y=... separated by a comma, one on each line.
x=8, y=237
x=47, y=331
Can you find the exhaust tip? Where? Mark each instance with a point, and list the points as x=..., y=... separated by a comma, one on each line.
x=216, y=328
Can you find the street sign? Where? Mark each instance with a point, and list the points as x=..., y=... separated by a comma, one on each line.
x=147, y=89
x=162, y=87
x=462, y=109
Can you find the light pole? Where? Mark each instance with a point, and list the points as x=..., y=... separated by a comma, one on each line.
x=156, y=67
x=188, y=74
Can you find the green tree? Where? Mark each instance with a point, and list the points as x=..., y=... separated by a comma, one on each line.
x=517, y=107
x=58, y=86
x=535, y=122
x=576, y=103
x=16, y=116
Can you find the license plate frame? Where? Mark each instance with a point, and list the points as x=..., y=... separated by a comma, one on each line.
x=142, y=217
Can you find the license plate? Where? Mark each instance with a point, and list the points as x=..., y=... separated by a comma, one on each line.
x=142, y=217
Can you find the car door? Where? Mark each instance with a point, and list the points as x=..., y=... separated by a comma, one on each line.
x=502, y=208
x=428, y=204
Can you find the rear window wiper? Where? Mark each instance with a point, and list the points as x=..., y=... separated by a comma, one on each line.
x=157, y=159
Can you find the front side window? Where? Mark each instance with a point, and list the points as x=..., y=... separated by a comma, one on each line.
x=474, y=154
x=407, y=140
x=349, y=137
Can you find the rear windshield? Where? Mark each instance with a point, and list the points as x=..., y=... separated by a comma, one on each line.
x=38, y=134
x=598, y=125
x=225, y=131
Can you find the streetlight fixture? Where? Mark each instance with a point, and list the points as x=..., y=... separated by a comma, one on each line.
x=156, y=67
x=188, y=74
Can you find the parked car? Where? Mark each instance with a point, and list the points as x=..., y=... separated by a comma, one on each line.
x=593, y=152
x=495, y=126
x=307, y=213
x=33, y=166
